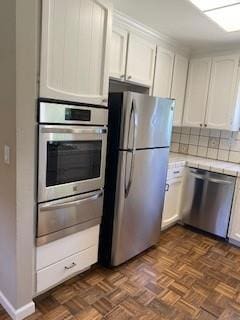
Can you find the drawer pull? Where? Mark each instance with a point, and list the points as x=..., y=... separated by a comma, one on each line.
x=71, y=266
x=167, y=187
x=176, y=172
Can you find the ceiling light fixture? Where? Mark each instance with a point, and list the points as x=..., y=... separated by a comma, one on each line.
x=226, y=13
x=228, y=18
x=205, y=5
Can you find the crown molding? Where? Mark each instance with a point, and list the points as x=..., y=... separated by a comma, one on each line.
x=127, y=21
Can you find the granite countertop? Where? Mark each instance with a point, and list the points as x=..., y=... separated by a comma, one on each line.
x=229, y=168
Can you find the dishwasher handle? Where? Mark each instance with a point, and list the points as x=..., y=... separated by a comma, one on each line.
x=219, y=181
x=213, y=180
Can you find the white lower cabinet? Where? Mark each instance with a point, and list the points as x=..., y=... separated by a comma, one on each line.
x=234, y=227
x=171, y=211
x=64, y=258
x=56, y=273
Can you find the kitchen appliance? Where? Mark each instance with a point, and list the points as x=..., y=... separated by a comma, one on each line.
x=137, y=160
x=71, y=175
x=207, y=201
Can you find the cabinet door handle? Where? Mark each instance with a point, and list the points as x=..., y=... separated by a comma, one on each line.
x=200, y=125
x=71, y=266
x=205, y=125
x=122, y=76
x=129, y=77
x=167, y=187
x=105, y=100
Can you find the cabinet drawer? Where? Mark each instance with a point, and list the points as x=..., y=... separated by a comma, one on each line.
x=65, y=247
x=175, y=173
x=66, y=268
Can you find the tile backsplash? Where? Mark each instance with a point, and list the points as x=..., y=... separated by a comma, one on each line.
x=207, y=143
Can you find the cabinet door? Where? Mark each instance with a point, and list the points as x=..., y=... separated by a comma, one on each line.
x=172, y=202
x=197, y=92
x=76, y=38
x=163, y=73
x=179, y=87
x=234, y=228
x=222, y=92
x=118, y=53
x=140, y=61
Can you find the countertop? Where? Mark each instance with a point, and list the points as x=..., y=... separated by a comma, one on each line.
x=228, y=168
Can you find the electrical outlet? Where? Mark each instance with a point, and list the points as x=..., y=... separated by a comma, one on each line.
x=7, y=154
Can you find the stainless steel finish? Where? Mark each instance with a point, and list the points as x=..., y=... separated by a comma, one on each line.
x=65, y=204
x=55, y=113
x=71, y=266
x=56, y=217
x=153, y=121
x=72, y=130
x=72, y=133
x=68, y=231
x=207, y=201
x=137, y=219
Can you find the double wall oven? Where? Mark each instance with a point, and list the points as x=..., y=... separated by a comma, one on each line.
x=72, y=157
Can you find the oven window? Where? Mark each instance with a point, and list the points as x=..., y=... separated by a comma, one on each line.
x=71, y=161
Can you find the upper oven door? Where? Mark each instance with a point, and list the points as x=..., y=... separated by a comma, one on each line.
x=71, y=160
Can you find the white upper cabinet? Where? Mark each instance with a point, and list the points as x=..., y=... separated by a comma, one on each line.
x=118, y=53
x=179, y=82
x=197, y=92
x=140, y=60
x=222, y=93
x=163, y=73
x=76, y=38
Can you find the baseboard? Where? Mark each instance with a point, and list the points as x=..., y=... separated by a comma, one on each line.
x=234, y=242
x=17, y=314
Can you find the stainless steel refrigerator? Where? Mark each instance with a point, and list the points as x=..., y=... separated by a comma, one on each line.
x=140, y=130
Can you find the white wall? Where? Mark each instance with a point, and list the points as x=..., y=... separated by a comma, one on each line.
x=27, y=37
x=18, y=82
x=8, y=136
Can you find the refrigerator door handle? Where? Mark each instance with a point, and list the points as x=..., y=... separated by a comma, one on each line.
x=134, y=108
x=133, y=151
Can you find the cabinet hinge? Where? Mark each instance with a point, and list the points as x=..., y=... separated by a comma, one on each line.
x=239, y=62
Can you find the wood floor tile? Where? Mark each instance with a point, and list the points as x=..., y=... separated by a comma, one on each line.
x=187, y=276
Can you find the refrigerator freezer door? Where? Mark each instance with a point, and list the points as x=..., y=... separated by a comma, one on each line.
x=147, y=121
x=138, y=211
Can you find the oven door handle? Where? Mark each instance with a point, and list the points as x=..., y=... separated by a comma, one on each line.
x=62, y=205
x=56, y=129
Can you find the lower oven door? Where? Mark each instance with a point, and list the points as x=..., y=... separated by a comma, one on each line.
x=71, y=160
x=60, y=218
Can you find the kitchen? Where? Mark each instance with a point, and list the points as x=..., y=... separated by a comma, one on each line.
x=59, y=57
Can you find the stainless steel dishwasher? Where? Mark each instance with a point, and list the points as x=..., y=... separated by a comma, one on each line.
x=207, y=200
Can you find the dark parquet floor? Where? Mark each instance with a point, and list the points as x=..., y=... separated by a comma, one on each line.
x=187, y=276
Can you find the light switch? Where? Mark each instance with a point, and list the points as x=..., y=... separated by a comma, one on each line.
x=6, y=154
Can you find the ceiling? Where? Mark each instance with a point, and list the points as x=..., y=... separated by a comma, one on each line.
x=180, y=20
